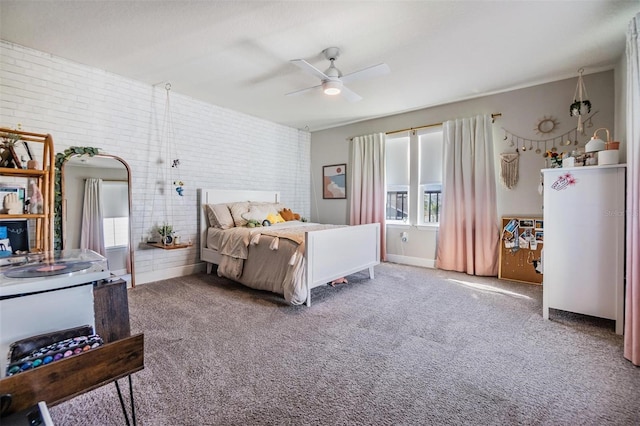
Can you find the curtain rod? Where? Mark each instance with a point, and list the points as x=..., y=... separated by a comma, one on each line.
x=493, y=117
x=426, y=126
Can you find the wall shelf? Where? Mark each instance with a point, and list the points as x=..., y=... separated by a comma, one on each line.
x=169, y=246
x=21, y=172
x=22, y=216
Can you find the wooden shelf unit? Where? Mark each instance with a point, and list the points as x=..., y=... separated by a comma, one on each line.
x=45, y=180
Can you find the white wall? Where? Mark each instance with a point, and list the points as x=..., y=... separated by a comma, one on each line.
x=521, y=111
x=217, y=147
x=621, y=104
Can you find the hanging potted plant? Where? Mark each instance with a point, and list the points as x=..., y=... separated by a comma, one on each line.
x=579, y=108
x=580, y=105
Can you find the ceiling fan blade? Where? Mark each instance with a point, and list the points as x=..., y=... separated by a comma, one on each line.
x=372, y=71
x=306, y=66
x=301, y=91
x=350, y=95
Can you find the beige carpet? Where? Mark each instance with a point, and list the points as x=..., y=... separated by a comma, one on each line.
x=412, y=347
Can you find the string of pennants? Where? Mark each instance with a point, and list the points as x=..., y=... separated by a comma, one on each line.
x=570, y=137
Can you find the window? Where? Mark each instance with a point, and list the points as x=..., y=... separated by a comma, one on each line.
x=397, y=158
x=414, y=167
x=397, y=205
x=430, y=152
x=116, y=231
x=432, y=202
x=115, y=222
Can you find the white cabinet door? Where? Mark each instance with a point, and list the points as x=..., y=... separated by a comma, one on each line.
x=584, y=216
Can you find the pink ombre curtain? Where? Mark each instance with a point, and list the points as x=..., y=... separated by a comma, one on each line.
x=367, y=184
x=632, y=302
x=468, y=238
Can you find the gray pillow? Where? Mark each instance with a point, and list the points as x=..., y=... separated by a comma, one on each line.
x=219, y=216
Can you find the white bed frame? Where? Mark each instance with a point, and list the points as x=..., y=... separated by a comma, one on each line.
x=330, y=253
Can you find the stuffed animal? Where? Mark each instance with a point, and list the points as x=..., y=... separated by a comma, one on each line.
x=288, y=215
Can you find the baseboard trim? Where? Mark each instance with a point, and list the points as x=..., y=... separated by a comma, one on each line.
x=181, y=271
x=412, y=261
x=164, y=274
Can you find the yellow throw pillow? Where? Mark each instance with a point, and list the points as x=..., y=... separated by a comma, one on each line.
x=274, y=218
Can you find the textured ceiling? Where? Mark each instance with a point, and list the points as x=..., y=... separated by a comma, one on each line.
x=236, y=54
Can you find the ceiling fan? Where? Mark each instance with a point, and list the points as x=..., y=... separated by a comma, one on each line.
x=333, y=82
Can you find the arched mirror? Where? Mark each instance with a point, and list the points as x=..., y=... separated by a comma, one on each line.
x=86, y=183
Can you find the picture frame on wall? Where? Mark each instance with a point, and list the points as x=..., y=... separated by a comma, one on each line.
x=334, y=182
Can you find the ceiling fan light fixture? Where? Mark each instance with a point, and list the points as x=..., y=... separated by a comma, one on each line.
x=332, y=87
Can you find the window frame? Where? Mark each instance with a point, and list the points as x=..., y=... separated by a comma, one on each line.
x=416, y=190
x=398, y=189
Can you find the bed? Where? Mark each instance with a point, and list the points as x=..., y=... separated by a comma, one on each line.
x=289, y=258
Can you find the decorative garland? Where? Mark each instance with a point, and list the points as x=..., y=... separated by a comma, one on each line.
x=521, y=143
x=61, y=158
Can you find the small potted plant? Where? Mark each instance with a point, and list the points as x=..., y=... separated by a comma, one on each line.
x=166, y=232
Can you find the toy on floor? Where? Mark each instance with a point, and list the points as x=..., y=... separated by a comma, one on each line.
x=341, y=280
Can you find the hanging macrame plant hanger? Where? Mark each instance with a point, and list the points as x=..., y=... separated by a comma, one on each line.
x=581, y=105
x=167, y=177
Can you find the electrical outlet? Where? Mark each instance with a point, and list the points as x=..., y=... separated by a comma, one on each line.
x=404, y=237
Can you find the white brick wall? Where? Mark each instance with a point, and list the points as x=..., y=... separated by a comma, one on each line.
x=217, y=147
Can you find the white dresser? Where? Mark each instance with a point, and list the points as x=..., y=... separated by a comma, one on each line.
x=584, y=241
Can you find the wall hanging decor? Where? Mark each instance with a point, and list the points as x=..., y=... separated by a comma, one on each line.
x=334, y=181
x=581, y=106
x=546, y=125
x=509, y=164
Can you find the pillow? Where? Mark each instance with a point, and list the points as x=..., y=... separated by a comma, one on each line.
x=260, y=212
x=274, y=218
x=237, y=210
x=219, y=216
x=276, y=207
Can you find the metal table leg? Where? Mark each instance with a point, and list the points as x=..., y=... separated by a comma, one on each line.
x=124, y=408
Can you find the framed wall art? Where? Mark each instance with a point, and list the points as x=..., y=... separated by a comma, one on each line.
x=334, y=182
